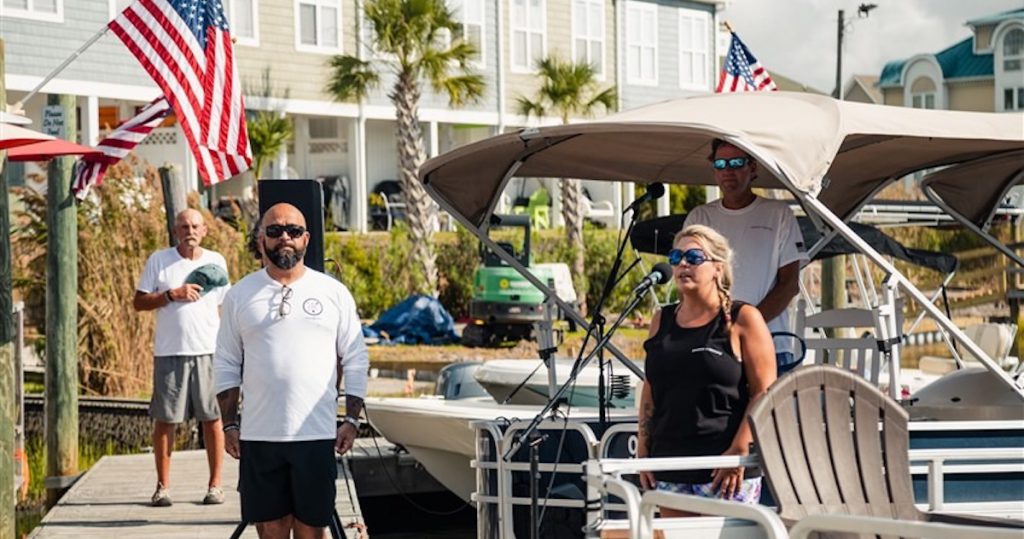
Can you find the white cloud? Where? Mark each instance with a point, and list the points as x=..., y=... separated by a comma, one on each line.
x=797, y=38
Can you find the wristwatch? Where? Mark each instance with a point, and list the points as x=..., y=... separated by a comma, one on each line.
x=352, y=420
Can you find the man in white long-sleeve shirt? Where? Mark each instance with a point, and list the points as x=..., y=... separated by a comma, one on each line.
x=287, y=332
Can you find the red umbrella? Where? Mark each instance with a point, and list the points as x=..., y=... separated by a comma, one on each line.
x=12, y=135
x=42, y=151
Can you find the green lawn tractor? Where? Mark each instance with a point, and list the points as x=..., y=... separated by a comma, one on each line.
x=505, y=305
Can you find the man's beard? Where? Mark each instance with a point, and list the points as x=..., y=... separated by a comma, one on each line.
x=284, y=257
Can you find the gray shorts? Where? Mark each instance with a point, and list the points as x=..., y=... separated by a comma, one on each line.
x=183, y=388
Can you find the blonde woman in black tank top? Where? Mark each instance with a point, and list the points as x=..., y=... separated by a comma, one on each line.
x=708, y=360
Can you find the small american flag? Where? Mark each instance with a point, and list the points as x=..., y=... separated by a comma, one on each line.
x=186, y=47
x=742, y=72
x=90, y=171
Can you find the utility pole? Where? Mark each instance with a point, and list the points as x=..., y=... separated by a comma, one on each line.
x=8, y=406
x=59, y=119
x=833, y=269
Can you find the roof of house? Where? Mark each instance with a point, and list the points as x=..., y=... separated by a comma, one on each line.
x=997, y=18
x=786, y=84
x=957, y=62
x=868, y=83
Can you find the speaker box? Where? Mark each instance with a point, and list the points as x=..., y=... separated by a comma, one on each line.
x=308, y=197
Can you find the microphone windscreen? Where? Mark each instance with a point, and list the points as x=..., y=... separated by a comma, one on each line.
x=665, y=272
x=656, y=190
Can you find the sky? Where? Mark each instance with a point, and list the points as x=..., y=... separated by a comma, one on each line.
x=797, y=38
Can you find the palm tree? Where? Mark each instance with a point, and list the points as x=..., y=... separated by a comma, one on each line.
x=417, y=40
x=269, y=132
x=569, y=89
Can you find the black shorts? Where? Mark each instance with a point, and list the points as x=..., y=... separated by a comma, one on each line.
x=277, y=479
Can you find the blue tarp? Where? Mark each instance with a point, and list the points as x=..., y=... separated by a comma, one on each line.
x=416, y=320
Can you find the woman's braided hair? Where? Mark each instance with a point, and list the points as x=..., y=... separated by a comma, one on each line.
x=717, y=248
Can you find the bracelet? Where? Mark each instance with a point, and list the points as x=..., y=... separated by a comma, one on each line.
x=167, y=294
x=351, y=420
x=230, y=427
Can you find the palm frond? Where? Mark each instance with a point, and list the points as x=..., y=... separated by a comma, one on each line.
x=350, y=78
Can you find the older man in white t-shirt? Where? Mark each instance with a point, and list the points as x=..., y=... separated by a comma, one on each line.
x=186, y=331
x=287, y=333
x=768, y=249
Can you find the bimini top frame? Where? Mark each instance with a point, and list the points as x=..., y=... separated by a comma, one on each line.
x=832, y=155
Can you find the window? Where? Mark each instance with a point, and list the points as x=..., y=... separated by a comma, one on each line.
x=323, y=128
x=1009, y=103
x=528, y=35
x=693, y=49
x=318, y=26
x=471, y=14
x=588, y=34
x=641, y=43
x=41, y=10
x=1013, y=50
x=244, y=21
x=922, y=93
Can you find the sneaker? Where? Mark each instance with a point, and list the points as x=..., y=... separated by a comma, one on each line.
x=161, y=498
x=214, y=496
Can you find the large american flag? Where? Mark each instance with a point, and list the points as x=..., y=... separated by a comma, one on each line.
x=741, y=72
x=186, y=47
x=89, y=171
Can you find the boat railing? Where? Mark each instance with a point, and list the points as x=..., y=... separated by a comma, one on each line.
x=494, y=496
x=897, y=528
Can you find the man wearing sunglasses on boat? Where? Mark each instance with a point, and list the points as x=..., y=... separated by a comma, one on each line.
x=764, y=235
x=186, y=330
x=287, y=334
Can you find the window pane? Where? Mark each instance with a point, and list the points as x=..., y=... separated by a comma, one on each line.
x=323, y=128
x=536, y=14
x=474, y=34
x=633, y=60
x=16, y=4
x=536, y=47
x=1013, y=43
x=45, y=6
x=474, y=10
x=1020, y=98
x=519, y=49
x=307, y=24
x=1011, y=65
x=647, y=66
x=579, y=19
x=1008, y=99
x=700, y=69
x=597, y=57
x=244, y=24
x=929, y=101
x=329, y=28
x=686, y=67
x=633, y=27
x=700, y=35
x=518, y=12
x=594, y=21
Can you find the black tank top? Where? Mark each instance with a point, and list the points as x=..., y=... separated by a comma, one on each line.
x=699, y=389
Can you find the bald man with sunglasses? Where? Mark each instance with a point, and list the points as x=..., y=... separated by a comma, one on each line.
x=765, y=238
x=287, y=334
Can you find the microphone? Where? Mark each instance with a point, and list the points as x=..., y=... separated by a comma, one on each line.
x=654, y=191
x=661, y=273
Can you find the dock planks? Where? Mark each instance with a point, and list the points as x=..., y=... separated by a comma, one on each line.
x=112, y=500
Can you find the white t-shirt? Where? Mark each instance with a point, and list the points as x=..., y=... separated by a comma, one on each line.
x=289, y=376
x=764, y=236
x=183, y=328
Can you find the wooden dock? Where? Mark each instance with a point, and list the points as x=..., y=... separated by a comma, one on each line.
x=112, y=500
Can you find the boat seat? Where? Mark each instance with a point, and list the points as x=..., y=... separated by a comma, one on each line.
x=823, y=453
x=995, y=339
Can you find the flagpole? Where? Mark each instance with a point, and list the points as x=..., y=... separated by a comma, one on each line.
x=728, y=26
x=61, y=67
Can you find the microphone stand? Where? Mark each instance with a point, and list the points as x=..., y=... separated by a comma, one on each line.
x=580, y=365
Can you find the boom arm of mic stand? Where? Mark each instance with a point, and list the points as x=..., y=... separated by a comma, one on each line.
x=572, y=378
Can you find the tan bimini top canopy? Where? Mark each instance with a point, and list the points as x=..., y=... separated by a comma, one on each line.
x=839, y=151
x=975, y=189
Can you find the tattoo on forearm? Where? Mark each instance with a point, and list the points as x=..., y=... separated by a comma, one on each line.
x=353, y=405
x=646, y=416
x=228, y=401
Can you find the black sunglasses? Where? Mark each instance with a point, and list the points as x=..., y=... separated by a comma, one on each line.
x=733, y=163
x=692, y=257
x=275, y=231
x=284, y=308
